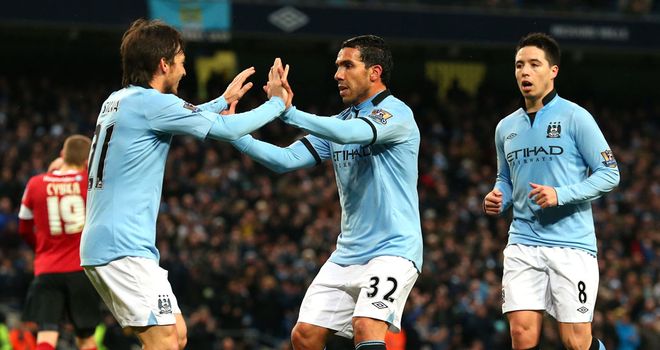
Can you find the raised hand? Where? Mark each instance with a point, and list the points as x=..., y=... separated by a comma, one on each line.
x=236, y=89
x=274, y=86
x=285, y=83
x=55, y=164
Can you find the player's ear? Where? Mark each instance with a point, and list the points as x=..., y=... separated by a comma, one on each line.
x=375, y=72
x=163, y=66
x=554, y=70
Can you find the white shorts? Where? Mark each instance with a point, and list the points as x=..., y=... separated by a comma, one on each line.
x=136, y=291
x=376, y=290
x=561, y=281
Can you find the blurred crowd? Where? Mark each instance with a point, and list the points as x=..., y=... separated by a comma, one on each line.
x=241, y=243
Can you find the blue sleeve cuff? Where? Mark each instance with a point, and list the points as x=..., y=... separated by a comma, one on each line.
x=288, y=114
x=217, y=105
x=561, y=194
x=278, y=100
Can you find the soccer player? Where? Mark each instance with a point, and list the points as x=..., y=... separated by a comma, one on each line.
x=127, y=163
x=552, y=161
x=361, y=290
x=51, y=220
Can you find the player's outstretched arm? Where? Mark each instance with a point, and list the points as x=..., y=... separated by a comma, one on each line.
x=333, y=129
x=231, y=127
x=55, y=164
x=277, y=159
x=329, y=128
x=336, y=130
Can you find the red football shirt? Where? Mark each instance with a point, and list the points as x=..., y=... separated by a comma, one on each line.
x=52, y=217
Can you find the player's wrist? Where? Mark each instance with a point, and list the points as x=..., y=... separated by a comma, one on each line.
x=288, y=114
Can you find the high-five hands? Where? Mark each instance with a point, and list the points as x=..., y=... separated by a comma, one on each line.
x=285, y=83
x=284, y=75
x=236, y=89
x=275, y=86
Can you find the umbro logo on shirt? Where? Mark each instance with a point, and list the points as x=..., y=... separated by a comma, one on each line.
x=583, y=309
x=379, y=304
x=511, y=136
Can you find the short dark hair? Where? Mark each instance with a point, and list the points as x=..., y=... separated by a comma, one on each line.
x=374, y=51
x=544, y=42
x=142, y=47
x=76, y=150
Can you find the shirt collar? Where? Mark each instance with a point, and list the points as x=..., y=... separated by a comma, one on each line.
x=374, y=100
x=546, y=99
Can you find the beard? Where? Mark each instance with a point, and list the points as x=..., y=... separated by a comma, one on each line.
x=357, y=99
x=171, y=86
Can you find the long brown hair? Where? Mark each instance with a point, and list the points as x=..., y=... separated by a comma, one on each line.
x=142, y=47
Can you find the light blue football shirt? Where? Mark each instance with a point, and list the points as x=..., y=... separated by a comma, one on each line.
x=374, y=149
x=563, y=148
x=127, y=163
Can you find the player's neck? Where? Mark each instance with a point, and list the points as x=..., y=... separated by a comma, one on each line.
x=158, y=83
x=533, y=105
x=69, y=167
x=373, y=91
x=376, y=89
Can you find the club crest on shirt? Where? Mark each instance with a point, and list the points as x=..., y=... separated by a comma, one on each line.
x=164, y=304
x=554, y=130
x=380, y=116
x=191, y=107
x=608, y=157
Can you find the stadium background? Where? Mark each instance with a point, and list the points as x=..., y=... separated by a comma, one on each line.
x=242, y=243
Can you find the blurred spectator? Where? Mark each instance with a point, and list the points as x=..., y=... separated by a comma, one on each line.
x=626, y=331
x=5, y=342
